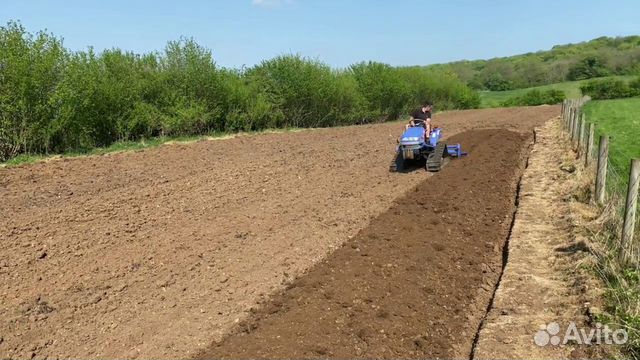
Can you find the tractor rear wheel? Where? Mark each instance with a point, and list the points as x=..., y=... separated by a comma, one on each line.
x=436, y=158
x=398, y=163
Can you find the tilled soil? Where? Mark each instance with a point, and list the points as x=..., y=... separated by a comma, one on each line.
x=415, y=283
x=160, y=252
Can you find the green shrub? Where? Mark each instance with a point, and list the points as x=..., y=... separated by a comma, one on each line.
x=348, y=103
x=96, y=98
x=496, y=82
x=247, y=106
x=31, y=66
x=187, y=117
x=635, y=87
x=307, y=93
x=191, y=79
x=536, y=97
x=385, y=93
x=606, y=89
x=443, y=88
x=145, y=121
x=301, y=87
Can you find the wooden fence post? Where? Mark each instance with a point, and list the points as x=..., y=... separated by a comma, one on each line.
x=571, y=118
x=630, y=209
x=589, y=145
x=570, y=123
x=571, y=114
x=581, y=137
x=574, y=129
x=601, y=178
x=578, y=124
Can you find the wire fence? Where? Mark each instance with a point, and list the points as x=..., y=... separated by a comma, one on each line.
x=615, y=182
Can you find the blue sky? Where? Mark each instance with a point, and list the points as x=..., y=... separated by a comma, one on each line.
x=339, y=32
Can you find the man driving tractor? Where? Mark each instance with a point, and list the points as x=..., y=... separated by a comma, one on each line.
x=422, y=117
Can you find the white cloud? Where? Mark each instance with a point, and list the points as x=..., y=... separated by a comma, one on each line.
x=270, y=3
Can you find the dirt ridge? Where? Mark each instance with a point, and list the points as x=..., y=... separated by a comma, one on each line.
x=505, y=249
x=537, y=287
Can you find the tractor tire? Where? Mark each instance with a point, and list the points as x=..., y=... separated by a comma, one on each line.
x=436, y=158
x=398, y=164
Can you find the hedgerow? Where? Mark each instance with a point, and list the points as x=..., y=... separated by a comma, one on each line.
x=603, y=89
x=536, y=97
x=54, y=100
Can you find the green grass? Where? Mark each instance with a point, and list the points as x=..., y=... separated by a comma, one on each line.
x=620, y=120
x=122, y=146
x=489, y=99
x=23, y=159
x=116, y=147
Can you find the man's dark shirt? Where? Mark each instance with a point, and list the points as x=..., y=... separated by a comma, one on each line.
x=418, y=114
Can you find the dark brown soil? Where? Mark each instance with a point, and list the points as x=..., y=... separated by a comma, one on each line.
x=159, y=253
x=415, y=283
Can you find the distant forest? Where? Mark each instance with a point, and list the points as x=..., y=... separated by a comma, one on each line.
x=603, y=56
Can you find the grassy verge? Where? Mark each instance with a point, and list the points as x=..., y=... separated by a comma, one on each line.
x=122, y=146
x=620, y=120
x=622, y=280
x=489, y=99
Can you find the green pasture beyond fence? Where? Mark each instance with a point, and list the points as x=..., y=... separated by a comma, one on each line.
x=617, y=235
x=615, y=184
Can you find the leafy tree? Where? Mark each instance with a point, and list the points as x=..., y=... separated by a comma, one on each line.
x=441, y=87
x=496, y=82
x=192, y=85
x=587, y=68
x=531, y=72
x=384, y=91
x=304, y=88
x=30, y=68
x=585, y=60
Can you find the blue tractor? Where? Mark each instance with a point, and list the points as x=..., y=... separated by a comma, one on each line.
x=413, y=146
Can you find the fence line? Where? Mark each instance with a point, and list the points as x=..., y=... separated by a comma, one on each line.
x=582, y=135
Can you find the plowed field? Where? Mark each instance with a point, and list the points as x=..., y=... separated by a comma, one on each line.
x=167, y=252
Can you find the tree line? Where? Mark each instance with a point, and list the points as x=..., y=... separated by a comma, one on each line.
x=600, y=57
x=54, y=100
